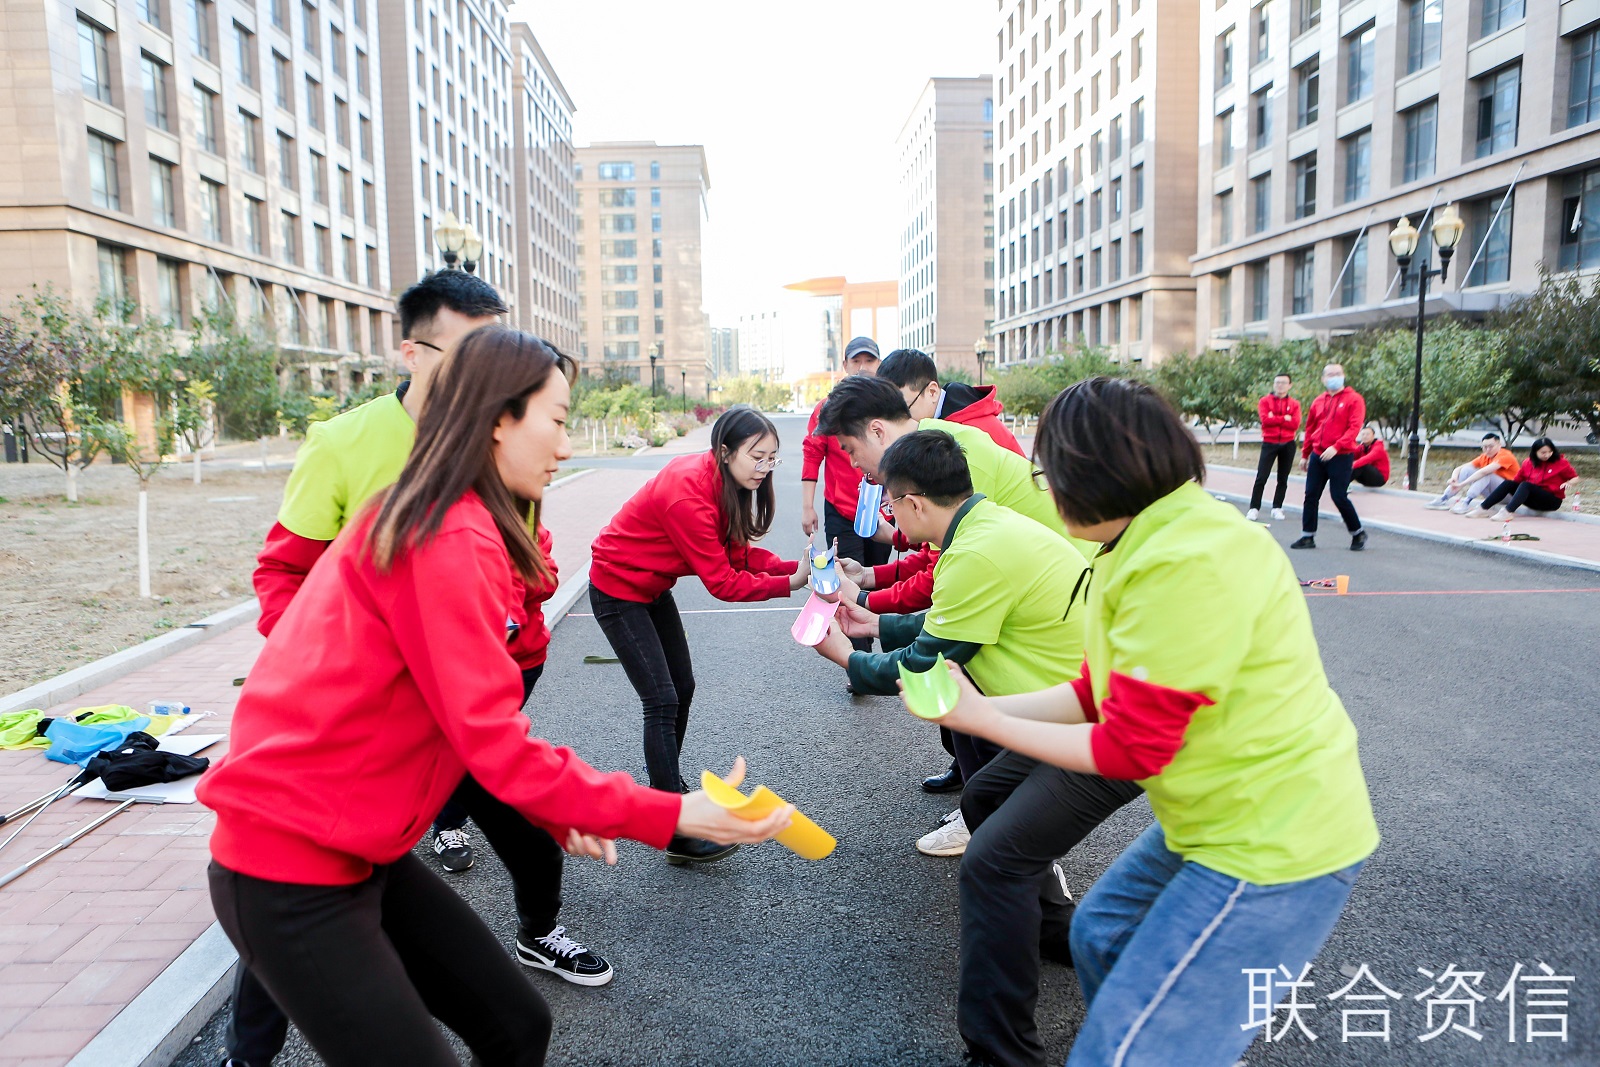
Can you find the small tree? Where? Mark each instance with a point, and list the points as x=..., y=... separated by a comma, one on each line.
x=193, y=412
x=1551, y=338
x=58, y=395
x=242, y=368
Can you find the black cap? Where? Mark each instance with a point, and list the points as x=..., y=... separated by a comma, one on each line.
x=859, y=345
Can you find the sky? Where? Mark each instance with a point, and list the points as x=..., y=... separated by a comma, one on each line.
x=797, y=104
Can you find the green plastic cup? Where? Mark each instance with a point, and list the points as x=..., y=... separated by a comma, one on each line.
x=932, y=693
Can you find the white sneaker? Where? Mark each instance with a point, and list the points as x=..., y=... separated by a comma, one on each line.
x=1502, y=516
x=1477, y=512
x=1438, y=503
x=1462, y=508
x=950, y=839
x=1251, y=514
x=1278, y=515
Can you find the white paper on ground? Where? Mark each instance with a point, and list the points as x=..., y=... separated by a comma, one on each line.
x=179, y=792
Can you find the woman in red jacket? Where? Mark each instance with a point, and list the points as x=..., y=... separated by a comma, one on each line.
x=385, y=680
x=1541, y=484
x=699, y=517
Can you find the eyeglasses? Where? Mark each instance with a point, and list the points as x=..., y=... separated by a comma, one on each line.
x=426, y=344
x=893, y=500
x=764, y=466
x=1040, y=482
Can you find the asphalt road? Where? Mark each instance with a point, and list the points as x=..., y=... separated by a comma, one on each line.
x=1477, y=720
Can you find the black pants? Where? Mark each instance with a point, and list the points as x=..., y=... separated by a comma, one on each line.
x=258, y=1028
x=1273, y=452
x=1023, y=814
x=650, y=642
x=1334, y=475
x=365, y=969
x=1371, y=477
x=864, y=550
x=1536, y=497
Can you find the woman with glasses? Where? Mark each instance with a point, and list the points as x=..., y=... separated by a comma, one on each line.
x=700, y=517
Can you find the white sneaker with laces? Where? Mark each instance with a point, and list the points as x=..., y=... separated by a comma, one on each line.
x=1502, y=516
x=1251, y=514
x=949, y=839
x=1438, y=503
x=454, y=849
x=1477, y=512
x=1278, y=515
x=1462, y=508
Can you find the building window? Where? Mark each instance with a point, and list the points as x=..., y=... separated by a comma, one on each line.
x=618, y=197
x=1263, y=36
x=250, y=137
x=1261, y=109
x=655, y=221
x=618, y=223
x=280, y=14
x=1136, y=252
x=1116, y=208
x=113, y=263
x=622, y=325
x=200, y=15
x=154, y=76
x=363, y=84
x=1260, y=275
x=282, y=77
x=313, y=102
x=1302, y=267
x=1114, y=132
x=246, y=43
x=1358, y=62
x=1260, y=203
x=1225, y=298
x=286, y=166
x=369, y=203
x=1422, y=136
x=1225, y=58
x=1494, y=258
x=655, y=248
x=163, y=192
x=366, y=138
x=1224, y=138
x=319, y=178
x=205, y=106
x=336, y=50
x=1136, y=191
x=1096, y=215
x=1357, y=165
x=1136, y=122
x=1310, y=16
x=210, y=210
x=255, y=224
x=169, y=290
x=1583, y=93
x=319, y=248
x=289, y=236
x=149, y=11
x=94, y=56
x=1353, y=286
x=655, y=170
x=1498, y=14
x=1307, y=91
x=1498, y=95
x=1305, y=185
x=619, y=249
x=341, y=123
x=308, y=23
x=616, y=172
x=1116, y=262
x=1423, y=21
x=1225, y=218
x=105, y=184
x=1580, y=221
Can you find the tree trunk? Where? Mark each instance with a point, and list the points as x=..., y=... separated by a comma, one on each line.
x=72, y=482
x=144, y=541
x=197, y=466
x=263, y=453
x=1236, y=442
x=1422, y=468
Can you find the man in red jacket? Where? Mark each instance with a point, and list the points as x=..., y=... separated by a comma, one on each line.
x=1328, y=456
x=918, y=378
x=822, y=455
x=1280, y=423
x=1371, y=467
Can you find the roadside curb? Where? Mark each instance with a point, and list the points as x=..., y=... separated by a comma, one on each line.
x=79, y=680
x=1554, y=559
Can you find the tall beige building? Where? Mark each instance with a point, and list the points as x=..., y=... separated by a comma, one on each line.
x=185, y=153
x=546, y=196
x=946, y=288
x=447, y=102
x=1324, y=124
x=1094, y=109
x=642, y=207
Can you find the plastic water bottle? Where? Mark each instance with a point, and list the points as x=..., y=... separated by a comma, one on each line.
x=1505, y=530
x=1577, y=502
x=168, y=707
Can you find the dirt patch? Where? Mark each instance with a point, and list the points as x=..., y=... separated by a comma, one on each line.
x=69, y=577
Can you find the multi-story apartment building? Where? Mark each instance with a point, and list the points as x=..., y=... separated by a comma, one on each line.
x=1324, y=123
x=641, y=210
x=724, y=352
x=447, y=104
x=546, y=197
x=1094, y=112
x=193, y=153
x=946, y=290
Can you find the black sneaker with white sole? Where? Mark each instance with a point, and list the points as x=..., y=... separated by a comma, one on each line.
x=563, y=957
x=454, y=849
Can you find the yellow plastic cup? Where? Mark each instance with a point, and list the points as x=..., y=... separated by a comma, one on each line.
x=803, y=837
x=1341, y=582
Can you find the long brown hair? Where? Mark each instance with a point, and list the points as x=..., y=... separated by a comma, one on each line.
x=747, y=514
x=491, y=372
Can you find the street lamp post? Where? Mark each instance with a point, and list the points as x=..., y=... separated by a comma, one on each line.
x=980, y=351
x=655, y=354
x=1403, y=240
x=450, y=236
x=683, y=388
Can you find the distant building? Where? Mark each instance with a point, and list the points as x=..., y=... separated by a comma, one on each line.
x=946, y=291
x=788, y=339
x=546, y=195
x=725, y=352
x=642, y=210
x=854, y=309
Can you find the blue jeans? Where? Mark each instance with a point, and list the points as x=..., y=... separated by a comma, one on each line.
x=1160, y=946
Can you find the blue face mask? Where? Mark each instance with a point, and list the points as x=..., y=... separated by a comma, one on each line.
x=1334, y=383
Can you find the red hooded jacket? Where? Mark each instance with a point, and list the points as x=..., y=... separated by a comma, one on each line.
x=1280, y=418
x=978, y=407
x=843, y=482
x=1335, y=420
x=1375, y=455
x=672, y=528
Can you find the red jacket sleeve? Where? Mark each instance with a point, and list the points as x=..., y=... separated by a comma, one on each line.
x=898, y=570
x=812, y=449
x=692, y=528
x=1294, y=411
x=1263, y=412
x=1355, y=417
x=1313, y=419
x=529, y=646
x=912, y=593
x=281, y=568
x=1140, y=727
x=1084, y=688
x=447, y=613
x=764, y=562
x=1367, y=458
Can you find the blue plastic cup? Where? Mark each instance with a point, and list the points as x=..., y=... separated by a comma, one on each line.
x=868, y=499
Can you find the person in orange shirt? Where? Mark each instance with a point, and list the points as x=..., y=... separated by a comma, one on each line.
x=1476, y=479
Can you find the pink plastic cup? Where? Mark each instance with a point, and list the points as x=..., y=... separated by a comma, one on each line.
x=812, y=625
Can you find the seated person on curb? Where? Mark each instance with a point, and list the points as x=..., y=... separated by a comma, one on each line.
x=1472, y=481
x=866, y=416
x=1371, y=467
x=1541, y=484
x=1015, y=629
x=918, y=378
